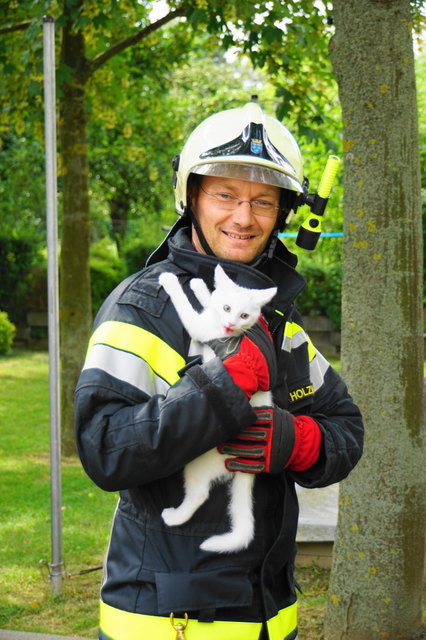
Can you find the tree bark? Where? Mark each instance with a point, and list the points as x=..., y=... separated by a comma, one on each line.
x=75, y=297
x=376, y=580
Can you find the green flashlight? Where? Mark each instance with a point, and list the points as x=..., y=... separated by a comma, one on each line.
x=310, y=230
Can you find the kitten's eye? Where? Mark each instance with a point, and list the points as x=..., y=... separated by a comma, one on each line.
x=244, y=316
x=226, y=308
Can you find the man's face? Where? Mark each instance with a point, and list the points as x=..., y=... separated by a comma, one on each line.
x=238, y=234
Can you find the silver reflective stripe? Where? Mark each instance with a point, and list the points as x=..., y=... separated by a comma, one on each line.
x=298, y=338
x=127, y=367
x=317, y=369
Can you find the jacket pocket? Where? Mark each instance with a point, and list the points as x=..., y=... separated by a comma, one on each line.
x=179, y=592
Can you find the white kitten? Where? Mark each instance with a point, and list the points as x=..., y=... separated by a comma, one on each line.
x=228, y=310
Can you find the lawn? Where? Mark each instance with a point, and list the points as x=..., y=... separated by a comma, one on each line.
x=26, y=601
x=25, y=592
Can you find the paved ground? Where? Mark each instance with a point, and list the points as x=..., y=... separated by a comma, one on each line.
x=318, y=514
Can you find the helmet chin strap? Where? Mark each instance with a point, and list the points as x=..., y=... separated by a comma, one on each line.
x=273, y=239
x=199, y=233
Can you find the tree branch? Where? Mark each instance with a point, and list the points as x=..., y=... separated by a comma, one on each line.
x=102, y=58
x=19, y=26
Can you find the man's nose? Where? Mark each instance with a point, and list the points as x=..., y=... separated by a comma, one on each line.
x=243, y=213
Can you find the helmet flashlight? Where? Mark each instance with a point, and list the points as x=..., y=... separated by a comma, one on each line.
x=310, y=230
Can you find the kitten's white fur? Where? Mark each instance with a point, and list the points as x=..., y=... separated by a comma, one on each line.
x=228, y=310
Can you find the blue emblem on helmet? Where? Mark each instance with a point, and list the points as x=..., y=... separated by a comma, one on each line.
x=256, y=146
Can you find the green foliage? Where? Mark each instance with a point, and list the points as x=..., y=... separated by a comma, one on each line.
x=106, y=269
x=136, y=255
x=322, y=296
x=22, y=182
x=7, y=333
x=289, y=41
x=17, y=256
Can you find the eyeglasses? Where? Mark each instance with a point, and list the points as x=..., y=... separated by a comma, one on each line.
x=228, y=202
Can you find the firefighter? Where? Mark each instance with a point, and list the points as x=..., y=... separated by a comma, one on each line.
x=147, y=403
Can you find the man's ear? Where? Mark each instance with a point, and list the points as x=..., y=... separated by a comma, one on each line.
x=192, y=188
x=192, y=194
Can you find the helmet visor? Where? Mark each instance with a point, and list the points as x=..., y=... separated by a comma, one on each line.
x=249, y=173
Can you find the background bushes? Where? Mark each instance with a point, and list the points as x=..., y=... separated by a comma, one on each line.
x=322, y=295
x=7, y=333
x=18, y=256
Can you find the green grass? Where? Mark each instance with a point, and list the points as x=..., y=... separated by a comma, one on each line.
x=313, y=581
x=26, y=601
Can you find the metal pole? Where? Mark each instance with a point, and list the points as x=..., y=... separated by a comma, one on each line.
x=56, y=565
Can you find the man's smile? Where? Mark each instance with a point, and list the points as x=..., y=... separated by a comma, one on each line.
x=238, y=236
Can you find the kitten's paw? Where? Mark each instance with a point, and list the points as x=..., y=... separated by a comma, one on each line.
x=195, y=283
x=172, y=517
x=168, y=281
x=201, y=290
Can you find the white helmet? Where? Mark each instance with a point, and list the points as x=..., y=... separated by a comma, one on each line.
x=243, y=143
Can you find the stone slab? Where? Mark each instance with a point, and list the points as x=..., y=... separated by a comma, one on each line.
x=318, y=514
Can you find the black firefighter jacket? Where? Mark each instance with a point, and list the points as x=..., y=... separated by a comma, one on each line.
x=140, y=418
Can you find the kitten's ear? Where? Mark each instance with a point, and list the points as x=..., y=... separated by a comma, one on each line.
x=265, y=295
x=220, y=277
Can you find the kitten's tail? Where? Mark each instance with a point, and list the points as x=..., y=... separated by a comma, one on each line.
x=228, y=542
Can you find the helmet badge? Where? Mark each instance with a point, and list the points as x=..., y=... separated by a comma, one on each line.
x=256, y=146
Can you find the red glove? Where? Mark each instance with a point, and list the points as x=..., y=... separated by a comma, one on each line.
x=249, y=359
x=277, y=440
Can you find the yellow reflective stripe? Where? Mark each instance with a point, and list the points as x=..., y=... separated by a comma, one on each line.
x=162, y=359
x=123, y=625
x=290, y=332
x=282, y=625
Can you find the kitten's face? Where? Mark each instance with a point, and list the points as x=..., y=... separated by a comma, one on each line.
x=237, y=308
x=236, y=313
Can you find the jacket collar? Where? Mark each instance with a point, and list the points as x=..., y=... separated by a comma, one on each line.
x=278, y=271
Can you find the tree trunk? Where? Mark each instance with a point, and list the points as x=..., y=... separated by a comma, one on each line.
x=376, y=580
x=75, y=298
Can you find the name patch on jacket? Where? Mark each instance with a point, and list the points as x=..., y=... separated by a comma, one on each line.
x=298, y=394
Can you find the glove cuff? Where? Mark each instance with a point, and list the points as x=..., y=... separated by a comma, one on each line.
x=307, y=446
x=284, y=427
